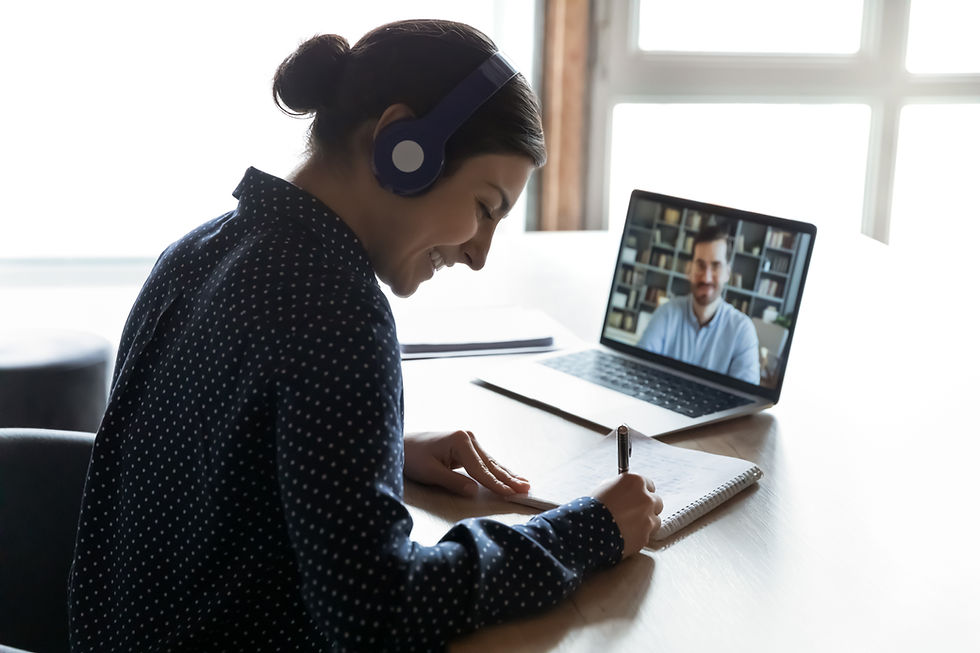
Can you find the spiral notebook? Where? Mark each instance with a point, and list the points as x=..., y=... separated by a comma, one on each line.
x=691, y=483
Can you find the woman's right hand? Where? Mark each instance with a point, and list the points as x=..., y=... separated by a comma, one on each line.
x=634, y=507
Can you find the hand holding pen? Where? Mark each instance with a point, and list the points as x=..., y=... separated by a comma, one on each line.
x=630, y=498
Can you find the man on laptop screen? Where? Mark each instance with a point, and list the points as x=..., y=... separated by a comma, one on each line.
x=701, y=328
x=697, y=325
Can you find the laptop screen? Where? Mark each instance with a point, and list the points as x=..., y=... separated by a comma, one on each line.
x=708, y=289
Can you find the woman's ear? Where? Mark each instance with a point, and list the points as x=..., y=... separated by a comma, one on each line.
x=394, y=113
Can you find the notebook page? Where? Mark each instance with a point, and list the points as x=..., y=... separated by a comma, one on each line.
x=683, y=477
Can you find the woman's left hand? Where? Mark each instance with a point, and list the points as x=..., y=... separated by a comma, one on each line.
x=431, y=457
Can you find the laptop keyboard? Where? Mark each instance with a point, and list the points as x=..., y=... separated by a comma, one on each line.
x=646, y=383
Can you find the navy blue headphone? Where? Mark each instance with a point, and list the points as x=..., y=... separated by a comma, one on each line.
x=410, y=154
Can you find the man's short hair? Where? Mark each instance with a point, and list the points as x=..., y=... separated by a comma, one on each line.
x=712, y=232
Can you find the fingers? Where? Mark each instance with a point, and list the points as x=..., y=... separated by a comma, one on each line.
x=501, y=473
x=650, y=486
x=431, y=458
x=658, y=503
x=634, y=506
x=479, y=466
x=453, y=481
x=468, y=454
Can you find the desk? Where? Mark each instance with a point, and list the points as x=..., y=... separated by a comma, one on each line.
x=860, y=537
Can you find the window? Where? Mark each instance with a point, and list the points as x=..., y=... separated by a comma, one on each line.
x=753, y=26
x=935, y=203
x=127, y=124
x=943, y=37
x=849, y=114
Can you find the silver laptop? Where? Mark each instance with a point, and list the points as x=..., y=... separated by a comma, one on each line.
x=698, y=324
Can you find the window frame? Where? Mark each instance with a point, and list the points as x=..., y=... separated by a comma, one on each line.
x=875, y=75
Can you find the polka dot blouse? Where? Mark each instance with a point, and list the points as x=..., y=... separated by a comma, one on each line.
x=245, y=490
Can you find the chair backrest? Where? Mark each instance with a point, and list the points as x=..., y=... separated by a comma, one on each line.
x=42, y=474
x=771, y=336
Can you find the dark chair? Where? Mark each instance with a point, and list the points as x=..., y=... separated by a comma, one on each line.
x=42, y=474
x=53, y=379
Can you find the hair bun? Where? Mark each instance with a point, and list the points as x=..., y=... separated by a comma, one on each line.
x=306, y=80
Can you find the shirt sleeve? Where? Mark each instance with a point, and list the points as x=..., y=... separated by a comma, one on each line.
x=340, y=461
x=745, y=357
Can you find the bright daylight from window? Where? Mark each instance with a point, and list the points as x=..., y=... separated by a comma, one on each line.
x=825, y=26
x=943, y=37
x=804, y=162
x=790, y=151
x=129, y=124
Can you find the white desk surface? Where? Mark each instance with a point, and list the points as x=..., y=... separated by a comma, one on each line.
x=860, y=537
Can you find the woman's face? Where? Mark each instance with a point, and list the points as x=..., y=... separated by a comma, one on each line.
x=453, y=222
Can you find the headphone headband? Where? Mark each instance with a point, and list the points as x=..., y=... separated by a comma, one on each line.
x=471, y=93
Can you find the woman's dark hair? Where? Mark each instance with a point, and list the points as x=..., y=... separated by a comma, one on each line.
x=414, y=62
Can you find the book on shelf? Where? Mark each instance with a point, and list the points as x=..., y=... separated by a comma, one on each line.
x=776, y=263
x=654, y=295
x=629, y=275
x=629, y=322
x=781, y=239
x=691, y=482
x=770, y=287
x=739, y=303
x=672, y=216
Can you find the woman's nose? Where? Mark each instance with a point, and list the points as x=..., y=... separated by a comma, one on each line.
x=475, y=251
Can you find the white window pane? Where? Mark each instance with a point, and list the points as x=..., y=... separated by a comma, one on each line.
x=804, y=162
x=758, y=26
x=131, y=123
x=943, y=36
x=934, y=205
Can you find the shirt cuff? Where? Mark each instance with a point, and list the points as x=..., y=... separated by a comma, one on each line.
x=590, y=537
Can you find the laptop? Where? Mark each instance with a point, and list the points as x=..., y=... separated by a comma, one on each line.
x=698, y=324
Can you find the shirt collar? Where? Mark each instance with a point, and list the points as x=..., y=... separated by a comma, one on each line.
x=693, y=319
x=260, y=192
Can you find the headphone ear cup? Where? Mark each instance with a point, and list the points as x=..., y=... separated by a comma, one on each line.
x=409, y=154
x=407, y=157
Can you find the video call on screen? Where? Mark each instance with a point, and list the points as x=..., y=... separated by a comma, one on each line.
x=666, y=282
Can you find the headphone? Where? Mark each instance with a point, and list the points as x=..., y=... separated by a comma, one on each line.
x=410, y=154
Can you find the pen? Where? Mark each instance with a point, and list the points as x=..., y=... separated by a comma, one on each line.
x=625, y=448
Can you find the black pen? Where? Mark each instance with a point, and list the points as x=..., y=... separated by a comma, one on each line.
x=625, y=446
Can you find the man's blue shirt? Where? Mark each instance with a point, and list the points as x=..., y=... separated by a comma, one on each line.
x=727, y=343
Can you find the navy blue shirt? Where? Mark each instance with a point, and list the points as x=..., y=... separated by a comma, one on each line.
x=245, y=490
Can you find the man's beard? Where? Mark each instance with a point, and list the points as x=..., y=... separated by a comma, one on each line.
x=709, y=296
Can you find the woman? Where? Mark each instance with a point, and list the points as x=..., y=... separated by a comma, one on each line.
x=245, y=487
